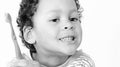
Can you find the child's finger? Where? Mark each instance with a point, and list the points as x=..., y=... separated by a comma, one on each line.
x=8, y=17
x=17, y=49
x=9, y=20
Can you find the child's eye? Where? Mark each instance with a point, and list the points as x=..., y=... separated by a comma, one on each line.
x=73, y=19
x=55, y=20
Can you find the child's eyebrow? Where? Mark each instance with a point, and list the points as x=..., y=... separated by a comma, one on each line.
x=55, y=11
x=73, y=10
x=60, y=11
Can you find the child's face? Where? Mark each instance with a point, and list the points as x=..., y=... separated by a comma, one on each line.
x=56, y=26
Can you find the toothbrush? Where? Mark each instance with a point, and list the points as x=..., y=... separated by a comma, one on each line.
x=17, y=48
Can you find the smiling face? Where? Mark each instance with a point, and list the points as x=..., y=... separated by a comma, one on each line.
x=57, y=27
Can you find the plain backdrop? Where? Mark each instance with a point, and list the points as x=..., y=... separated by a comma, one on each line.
x=101, y=31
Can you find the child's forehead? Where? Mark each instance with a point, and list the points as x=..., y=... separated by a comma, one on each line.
x=57, y=5
x=57, y=2
x=50, y=1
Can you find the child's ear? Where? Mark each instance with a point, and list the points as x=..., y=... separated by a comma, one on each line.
x=28, y=35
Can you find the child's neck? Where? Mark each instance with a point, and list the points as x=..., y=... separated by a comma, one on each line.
x=50, y=60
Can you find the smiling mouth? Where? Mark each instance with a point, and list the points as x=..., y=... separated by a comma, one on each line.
x=68, y=39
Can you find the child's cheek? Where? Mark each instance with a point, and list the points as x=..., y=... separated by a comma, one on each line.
x=79, y=30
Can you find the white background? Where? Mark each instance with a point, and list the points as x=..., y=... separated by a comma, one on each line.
x=101, y=31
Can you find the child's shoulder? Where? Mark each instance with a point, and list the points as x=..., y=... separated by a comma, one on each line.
x=80, y=59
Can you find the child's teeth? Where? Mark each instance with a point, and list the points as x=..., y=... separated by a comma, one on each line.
x=67, y=39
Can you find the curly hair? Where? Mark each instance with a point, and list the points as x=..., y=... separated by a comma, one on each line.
x=26, y=12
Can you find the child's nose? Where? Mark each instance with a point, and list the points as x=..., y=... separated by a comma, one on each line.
x=68, y=26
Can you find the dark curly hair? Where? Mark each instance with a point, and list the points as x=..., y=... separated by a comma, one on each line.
x=26, y=12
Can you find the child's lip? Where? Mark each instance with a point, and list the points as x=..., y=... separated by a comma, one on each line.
x=70, y=35
x=72, y=40
x=67, y=36
x=73, y=36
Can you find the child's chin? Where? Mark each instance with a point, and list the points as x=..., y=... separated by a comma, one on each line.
x=70, y=51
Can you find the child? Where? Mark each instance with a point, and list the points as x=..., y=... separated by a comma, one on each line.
x=51, y=30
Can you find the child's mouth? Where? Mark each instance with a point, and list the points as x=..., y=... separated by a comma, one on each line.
x=68, y=39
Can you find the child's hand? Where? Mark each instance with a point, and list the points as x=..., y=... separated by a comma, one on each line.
x=26, y=62
x=21, y=60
